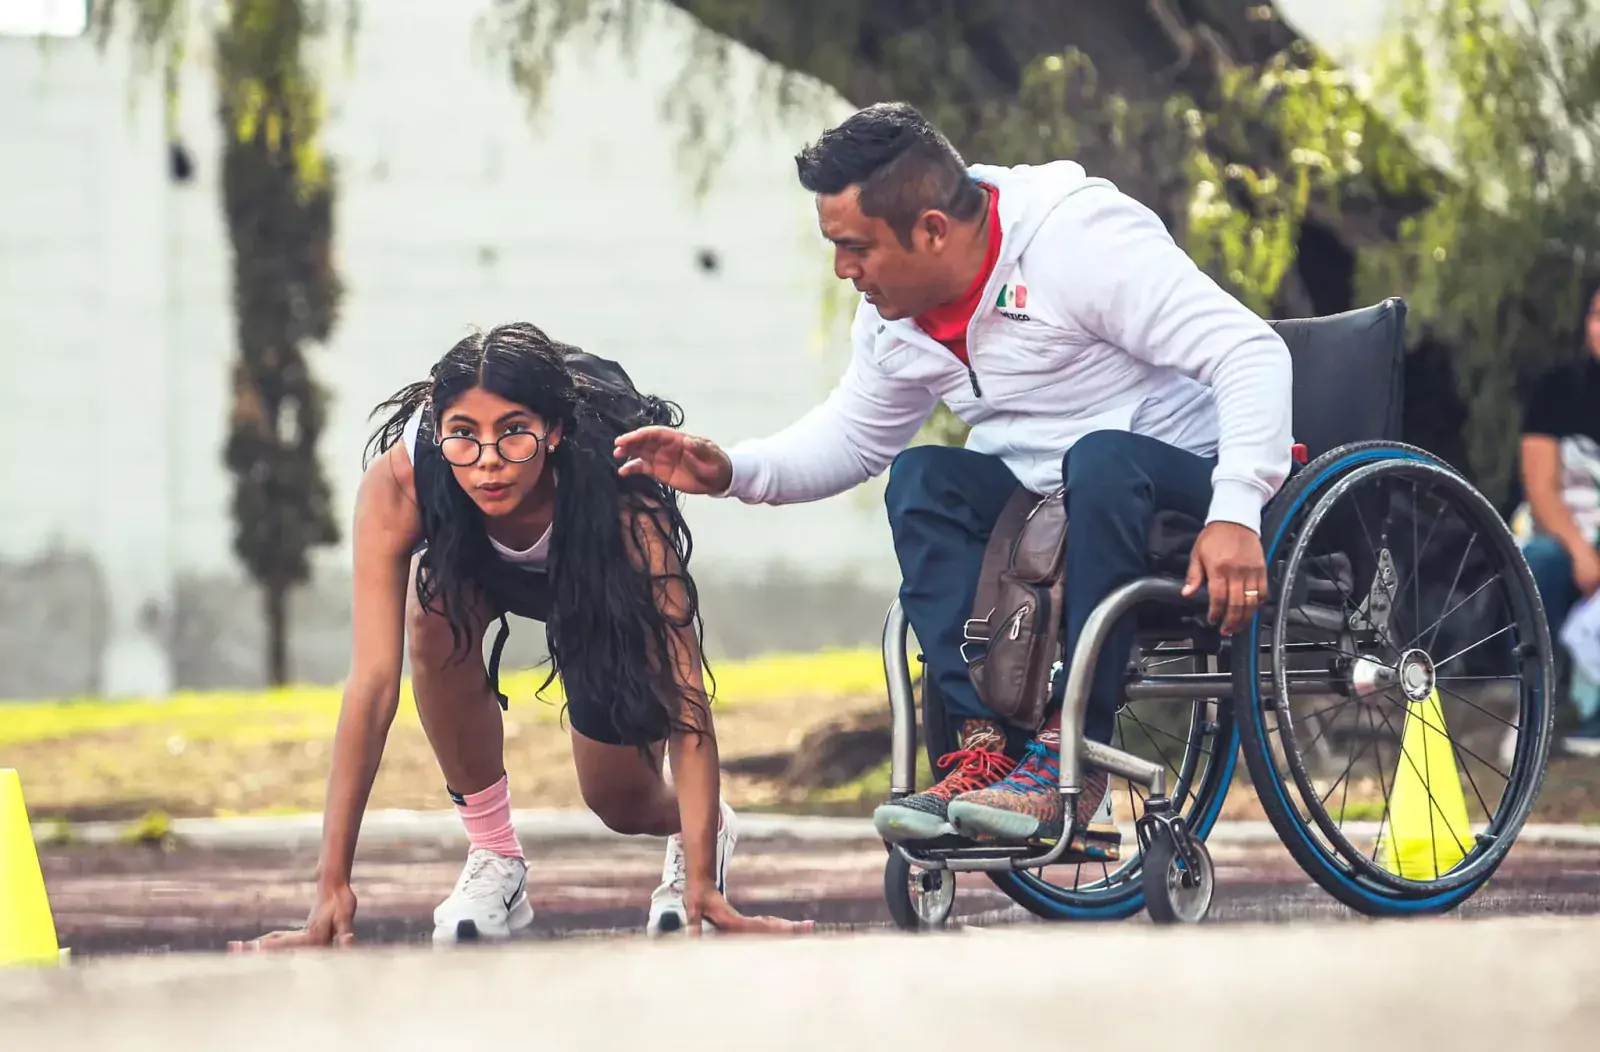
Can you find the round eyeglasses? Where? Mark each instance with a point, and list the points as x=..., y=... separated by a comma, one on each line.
x=518, y=447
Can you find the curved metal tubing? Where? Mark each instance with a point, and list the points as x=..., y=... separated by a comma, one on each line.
x=902, y=760
x=902, y=705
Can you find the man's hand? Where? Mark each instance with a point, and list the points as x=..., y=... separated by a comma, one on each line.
x=332, y=923
x=1586, y=569
x=1227, y=559
x=710, y=905
x=684, y=462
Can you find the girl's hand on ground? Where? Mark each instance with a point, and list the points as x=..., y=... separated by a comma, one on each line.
x=712, y=906
x=332, y=923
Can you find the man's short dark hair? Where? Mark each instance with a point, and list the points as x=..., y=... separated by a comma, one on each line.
x=902, y=163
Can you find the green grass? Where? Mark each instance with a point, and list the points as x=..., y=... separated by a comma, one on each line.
x=260, y=752
x=306, y=713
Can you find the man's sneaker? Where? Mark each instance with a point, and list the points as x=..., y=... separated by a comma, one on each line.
x=490, y=900
x=1027, y=804
x=668, y=911
x=979, y=762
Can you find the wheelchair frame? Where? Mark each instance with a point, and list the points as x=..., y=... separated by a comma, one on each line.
x=1184, y=862
x=903, y=755
x=1259, y=671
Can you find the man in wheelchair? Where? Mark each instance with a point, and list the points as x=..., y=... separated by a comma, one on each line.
x=1057, y=318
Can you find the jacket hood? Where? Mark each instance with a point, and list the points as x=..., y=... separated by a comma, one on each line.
x=1028, y=194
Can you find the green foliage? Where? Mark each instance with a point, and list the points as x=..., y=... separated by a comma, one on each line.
x=278, y=192
x=152, y=829
x=707, y=103
x=1509, y=95
x=1244, y=218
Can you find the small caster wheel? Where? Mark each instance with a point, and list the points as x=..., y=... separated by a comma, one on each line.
x=918, y=899
x=1174, y=892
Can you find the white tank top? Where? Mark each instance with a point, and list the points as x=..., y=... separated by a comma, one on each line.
x=538, y=555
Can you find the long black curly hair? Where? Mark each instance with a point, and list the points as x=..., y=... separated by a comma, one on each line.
x=607, y=634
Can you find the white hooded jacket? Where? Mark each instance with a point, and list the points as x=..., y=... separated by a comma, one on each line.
x=1093, y=319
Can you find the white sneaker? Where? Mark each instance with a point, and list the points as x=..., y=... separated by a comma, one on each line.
x=668, y=912
x=490, y=900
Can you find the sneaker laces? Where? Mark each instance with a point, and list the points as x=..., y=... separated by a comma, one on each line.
x=1034, y=772
x=975, y=768
x=483, y=877
x=675, y=871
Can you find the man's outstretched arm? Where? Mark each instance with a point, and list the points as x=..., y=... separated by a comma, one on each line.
x=852, y=436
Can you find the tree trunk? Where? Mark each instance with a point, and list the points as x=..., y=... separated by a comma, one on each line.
x=1142, y=48
x=276, y=608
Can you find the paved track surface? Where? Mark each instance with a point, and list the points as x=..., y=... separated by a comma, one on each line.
x=1497, y=983
x=1516, y=968
x=144, y=900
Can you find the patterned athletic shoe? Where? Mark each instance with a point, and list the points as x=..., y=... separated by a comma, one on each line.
x=979, y=763
x=668, y=912
x=1027, y=805
x=490, y=900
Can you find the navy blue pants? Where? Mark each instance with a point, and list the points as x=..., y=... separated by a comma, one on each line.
x=943, y=503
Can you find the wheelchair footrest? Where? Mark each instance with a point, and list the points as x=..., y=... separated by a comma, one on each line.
x=1096, y=843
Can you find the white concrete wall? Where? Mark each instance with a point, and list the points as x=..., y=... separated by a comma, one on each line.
x=455, y=210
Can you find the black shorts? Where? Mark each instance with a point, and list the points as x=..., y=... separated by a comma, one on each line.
x=513, y=590
x=525, y=593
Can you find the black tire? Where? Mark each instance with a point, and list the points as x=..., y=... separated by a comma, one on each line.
x=897, y=894
x=1290, y=798
x=1166, y=899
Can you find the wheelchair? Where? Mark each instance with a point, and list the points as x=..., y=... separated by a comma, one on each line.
x=1391, y=582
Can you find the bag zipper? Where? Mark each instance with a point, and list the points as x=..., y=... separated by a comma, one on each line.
x=1017, y=543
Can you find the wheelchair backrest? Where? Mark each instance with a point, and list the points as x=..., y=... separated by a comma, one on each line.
x=1348, y=375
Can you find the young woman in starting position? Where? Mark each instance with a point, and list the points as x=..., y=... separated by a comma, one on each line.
x=492, y=489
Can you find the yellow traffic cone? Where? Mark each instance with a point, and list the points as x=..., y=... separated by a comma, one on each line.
x=1429, y=832
x=27, y=930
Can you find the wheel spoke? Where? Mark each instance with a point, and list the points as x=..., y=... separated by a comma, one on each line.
x=1474, y=646
x=1319, y=714
x=1427, y=786
x=1371, y=509
x=1434, y=628
x=1465, y=701
x=1460, y=748
x=1383, y=787
x=1154, y=744
x=1323, y=802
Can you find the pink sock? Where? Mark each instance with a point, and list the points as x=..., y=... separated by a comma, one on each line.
x=487, y=816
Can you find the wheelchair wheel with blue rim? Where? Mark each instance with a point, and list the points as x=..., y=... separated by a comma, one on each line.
x=1394, y=691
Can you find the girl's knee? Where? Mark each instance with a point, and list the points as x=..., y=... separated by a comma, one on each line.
x=619, y=812
x=429, y=641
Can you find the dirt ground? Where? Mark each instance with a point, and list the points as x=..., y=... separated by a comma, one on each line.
x=129, y=773
x=771, y=762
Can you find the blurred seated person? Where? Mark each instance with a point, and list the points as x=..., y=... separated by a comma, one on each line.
x=1559, y=523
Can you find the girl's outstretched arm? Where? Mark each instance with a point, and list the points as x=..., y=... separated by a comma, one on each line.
x=387, y=529
x=692, y=752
